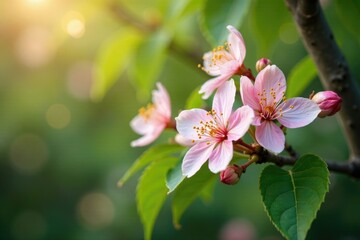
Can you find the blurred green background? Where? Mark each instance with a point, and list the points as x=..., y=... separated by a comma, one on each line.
x=64, y=145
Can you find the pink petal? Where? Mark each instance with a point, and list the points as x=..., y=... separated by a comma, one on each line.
x=271, y=82
x=247, y=93
x=236, y=44
x=209, y=67
x=141, y=125
x=148, y=138
x=180, y=139
x=221, y=156
x=298, y=112
x=211, y=85
x=196, y=157
x=188, y=119
x=161, y=101
x=270, y=136
x=239, y=122
x=224, y=100
x=219, y=65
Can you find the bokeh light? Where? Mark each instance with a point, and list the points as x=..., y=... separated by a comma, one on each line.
x=29, y=225
x=34, y=46
x=28, y=153
x=74, y=24
x=96, y=210
x=80, y=80
x=58, y=116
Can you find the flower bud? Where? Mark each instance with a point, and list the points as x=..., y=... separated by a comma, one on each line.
x=328, y=101
x=231, y=175
x=262, y=63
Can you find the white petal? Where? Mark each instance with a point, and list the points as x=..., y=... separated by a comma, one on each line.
x=188, y=119
x=221, y=156
x=297, y=112
x=236, y=44
x=224, y=100
x=239, y=122
x=196, y=157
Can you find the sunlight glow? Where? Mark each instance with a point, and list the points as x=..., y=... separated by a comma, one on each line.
x=74, y=24
x=35, y=2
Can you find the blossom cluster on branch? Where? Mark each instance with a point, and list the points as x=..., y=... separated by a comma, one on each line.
x=214, y=135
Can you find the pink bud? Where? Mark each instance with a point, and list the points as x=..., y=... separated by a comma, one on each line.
x=328, y=101
x=262, y=63
x=231, y=175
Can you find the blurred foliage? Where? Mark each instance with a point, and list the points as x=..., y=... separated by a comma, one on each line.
x=62, y=153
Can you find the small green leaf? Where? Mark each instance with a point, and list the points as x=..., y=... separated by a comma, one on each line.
x=188, y=190
x=266, y=25
x=216, y=15
x=301, y=76
x=195, y=100
x=151, y=192
x=154, y=153
x=149, y=61
x=174, y=177
x=292, y=198
x=113, y=58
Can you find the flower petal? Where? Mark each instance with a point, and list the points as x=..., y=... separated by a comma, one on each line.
x=143, y=125
x=236, y=44
x=221, y=156
x=298, y=112
x=247, y=93
x=188, y=119
x=270, y=136
x=224, y=100
x=148, y=138
x=180, y=139
x=239, y=122
x=270, y=85
x=217, y=62
x=196, y=157
x=210, y=85
x=161, y=101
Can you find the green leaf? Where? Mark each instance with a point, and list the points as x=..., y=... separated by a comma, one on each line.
x=195, y=100
x=151, y=192
x=292, y=198
x=154, y=153
x=188, y=190
x=216, y=15
x=113, y=58
x=301, y=76
x=149, y=61
x=265, y=25
x=174, y=177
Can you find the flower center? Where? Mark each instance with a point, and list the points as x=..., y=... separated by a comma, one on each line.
x=213, y=129
x=146, y=112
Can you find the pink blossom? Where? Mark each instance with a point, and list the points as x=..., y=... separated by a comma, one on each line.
x=266, y=98
x=213, y=132
x=328, y=101
x=152, y=119
x=223, y=62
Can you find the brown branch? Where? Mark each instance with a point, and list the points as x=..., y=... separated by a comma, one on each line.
x=349, y=168
x=332, y=67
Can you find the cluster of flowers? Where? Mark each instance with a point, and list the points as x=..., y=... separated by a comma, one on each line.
x=214, y=135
